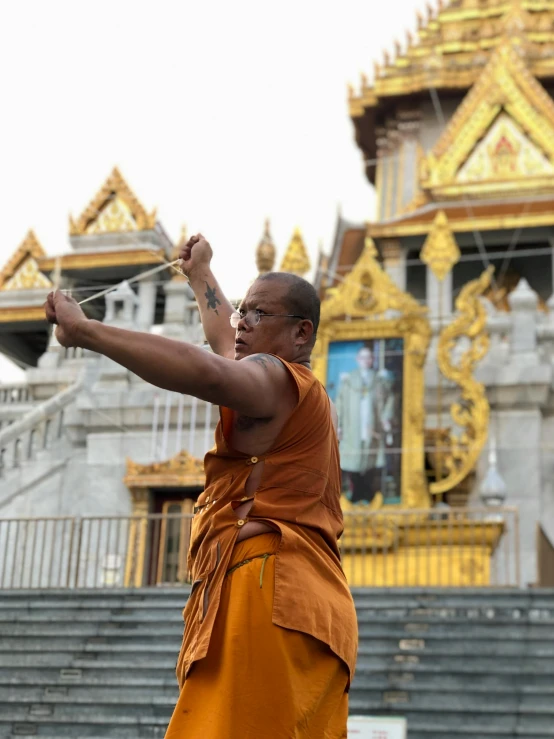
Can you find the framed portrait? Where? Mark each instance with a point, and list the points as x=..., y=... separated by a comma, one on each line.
x=365, y=381
x=370, y=354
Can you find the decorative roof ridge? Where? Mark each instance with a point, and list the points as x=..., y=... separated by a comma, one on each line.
x=506, y=83
x=115, y=183
x=30, y=246
x=453, y=43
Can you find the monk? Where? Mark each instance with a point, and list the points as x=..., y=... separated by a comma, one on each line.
x=270, y=636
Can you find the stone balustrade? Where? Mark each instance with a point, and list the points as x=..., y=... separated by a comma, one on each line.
x=37, y=430
x=15, y=394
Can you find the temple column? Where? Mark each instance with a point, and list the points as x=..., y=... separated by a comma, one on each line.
x=439, y=295
x=394, y=259
x=147, y=304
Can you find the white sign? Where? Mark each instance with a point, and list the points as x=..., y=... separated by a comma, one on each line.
x=376, y=727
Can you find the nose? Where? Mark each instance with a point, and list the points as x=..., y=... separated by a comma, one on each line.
x=243, y=324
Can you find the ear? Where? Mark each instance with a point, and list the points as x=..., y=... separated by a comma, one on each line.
x=304, y=332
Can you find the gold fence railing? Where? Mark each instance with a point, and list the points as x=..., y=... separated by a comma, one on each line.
x=433, y=548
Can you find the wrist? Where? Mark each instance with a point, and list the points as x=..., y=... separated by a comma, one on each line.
x=86, y=334
x=200, y=274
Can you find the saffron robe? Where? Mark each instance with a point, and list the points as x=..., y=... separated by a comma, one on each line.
x=299, y=496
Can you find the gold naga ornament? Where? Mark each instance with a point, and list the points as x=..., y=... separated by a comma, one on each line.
x=472, y=414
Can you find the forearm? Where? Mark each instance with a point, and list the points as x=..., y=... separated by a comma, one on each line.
x=171, y=365
x=215, y=310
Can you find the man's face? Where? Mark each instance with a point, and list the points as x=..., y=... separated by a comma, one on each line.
x=364, y=359
x=272, y=335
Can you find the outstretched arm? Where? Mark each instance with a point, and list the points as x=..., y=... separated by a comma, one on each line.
x=255, y=386
x=214, y=307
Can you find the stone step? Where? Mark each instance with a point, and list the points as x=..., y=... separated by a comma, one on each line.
x=15, y=723
x=487, y=630
x=432, y=660
x=454, y=679
x=449, y=701
x=94, y=674
x=477, y=721
x=98, y=695
x=105, y=713
x=419, y=644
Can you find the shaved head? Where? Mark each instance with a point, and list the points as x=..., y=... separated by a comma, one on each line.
x=300, y=298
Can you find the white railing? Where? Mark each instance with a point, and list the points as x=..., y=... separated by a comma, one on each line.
x=37, y=430
x=15, y=394
x=193, y=433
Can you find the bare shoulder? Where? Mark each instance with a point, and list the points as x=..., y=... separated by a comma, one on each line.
x=266, y=361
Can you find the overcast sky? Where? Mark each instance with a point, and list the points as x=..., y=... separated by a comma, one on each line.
x=219, y=114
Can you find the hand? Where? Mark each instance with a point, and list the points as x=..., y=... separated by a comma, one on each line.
x=196, y=253
x=68, y=315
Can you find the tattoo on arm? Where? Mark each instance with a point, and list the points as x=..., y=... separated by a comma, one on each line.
x=265, y=360
x=212, y=301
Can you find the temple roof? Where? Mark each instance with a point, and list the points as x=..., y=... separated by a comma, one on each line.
x=453, y=45
x=114, y=209
x=22, y=272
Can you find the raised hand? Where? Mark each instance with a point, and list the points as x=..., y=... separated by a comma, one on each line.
x=68, y=315
x=196, y=253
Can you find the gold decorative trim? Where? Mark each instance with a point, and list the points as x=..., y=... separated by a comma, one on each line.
x=296, y=258
x=454, y=45
x=115, y=187
x=472, y=415
x=367, y=290
x=359, y=308
x=29, y=247
x=465, y=224
x=103, y=259
x=440, y=251
x=506, y=84
x=180, y=471
x=22, y=314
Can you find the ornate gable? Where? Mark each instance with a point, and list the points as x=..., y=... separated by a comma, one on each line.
x=22, y=272
x=115, y=209
x=501, y=138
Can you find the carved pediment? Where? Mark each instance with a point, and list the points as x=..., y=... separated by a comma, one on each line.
x=114, y=209
x=501, y=138
x=367, y=290
x=22, y=272
x=183, y=470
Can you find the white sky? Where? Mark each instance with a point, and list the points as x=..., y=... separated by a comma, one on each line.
x=218, y=113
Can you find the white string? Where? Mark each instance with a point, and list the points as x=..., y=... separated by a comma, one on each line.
x=136, y=278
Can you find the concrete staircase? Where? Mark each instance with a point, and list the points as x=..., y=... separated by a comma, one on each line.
x=100, y=664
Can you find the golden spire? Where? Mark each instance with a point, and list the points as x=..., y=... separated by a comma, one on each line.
x=296, y=258
x=265, y=253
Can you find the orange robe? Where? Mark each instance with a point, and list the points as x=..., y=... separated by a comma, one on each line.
x=258, y=680
x=306, y=608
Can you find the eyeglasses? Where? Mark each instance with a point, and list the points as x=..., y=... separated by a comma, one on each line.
x=253, y=317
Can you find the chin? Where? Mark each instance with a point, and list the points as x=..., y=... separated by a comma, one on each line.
x=241, y=351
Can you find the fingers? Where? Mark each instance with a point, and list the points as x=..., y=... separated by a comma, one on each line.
x=49, y=309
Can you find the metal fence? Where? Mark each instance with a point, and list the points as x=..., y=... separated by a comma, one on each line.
x=394, y=548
